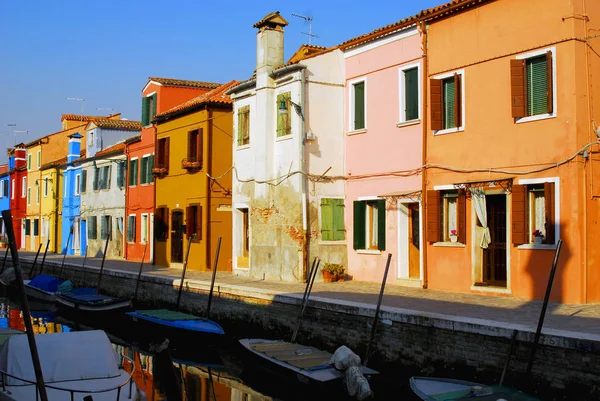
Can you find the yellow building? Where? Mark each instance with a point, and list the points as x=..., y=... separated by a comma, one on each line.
x=49, y=205
x=192, y=168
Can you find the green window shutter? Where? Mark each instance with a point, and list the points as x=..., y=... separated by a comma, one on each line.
x=39, y=159
x=537, y=86
x=326, y=219
x=119, y=175
x=145, y=116
x=359, y=105
x=360, y=215
x=83, y=180
x=132, y=172
x=108, y=176
x=339, y=228
x=381, y=224
x=411, y=94
x=143, y=172
x=284, y=126
x=96, y=178
x=153, y=107
x=448, y=91
x=149, y=168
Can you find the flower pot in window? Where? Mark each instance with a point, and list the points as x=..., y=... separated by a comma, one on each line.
x=453, y=238
x=538, y=240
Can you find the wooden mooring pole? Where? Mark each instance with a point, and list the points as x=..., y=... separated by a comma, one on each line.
x=44, y=257
x=185, y=262
x=137, y=284
x=311, y=279
x=385, y=274
x=35, y=260
x=212, y=281
x=103, y=259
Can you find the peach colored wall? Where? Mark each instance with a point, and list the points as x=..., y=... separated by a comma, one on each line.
x=382, y=149
x=482, y=41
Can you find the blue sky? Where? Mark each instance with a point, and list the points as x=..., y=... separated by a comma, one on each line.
x=105, y=50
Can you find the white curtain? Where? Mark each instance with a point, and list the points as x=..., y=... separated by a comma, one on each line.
x=478, y=197
x=540, y=212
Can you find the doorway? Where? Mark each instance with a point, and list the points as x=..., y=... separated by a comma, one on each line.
x=177, y=237
x=414, y=241
x=409, y=243
x=494, y=257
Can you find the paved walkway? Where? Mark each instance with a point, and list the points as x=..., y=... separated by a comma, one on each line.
x=581, y=320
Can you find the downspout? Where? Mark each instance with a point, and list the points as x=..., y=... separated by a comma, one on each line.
x=208, y=188
x=305, y=195
x=423, y=29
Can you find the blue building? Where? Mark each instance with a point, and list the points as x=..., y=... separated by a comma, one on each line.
x=5, y=190
x=73, y=242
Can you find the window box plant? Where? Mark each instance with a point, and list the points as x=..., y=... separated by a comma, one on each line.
x=453, y=236
x=538, y=237
x=333, y=272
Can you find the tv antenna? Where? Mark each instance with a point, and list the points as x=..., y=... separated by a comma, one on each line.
x=309, y=20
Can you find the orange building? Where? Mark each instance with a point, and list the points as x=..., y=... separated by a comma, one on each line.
x=193, y=166
x=512, y=148
x=158, y=95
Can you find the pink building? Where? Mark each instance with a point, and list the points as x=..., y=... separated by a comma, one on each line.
x=384, y=77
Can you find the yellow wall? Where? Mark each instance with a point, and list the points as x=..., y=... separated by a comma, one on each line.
x=49, y=208
x=181, y=188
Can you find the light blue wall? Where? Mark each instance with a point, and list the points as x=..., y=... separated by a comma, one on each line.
x=5, y=199
x=71, y=209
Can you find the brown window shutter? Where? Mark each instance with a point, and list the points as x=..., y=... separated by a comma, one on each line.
x=435, y=88
x=199, y=222
x=166, y=219
x=190, y=224
x=519, y=215
x=518, y=88
x=550, y=202
x=461, y=216
x=199, y=144
x=433, y=216
x=549, y=78
x=190, y=151
x=157, y=153
x=167, y=149
x=457, y=101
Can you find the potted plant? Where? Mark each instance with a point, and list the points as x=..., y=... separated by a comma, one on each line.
x=333, y=272
x=538, y=237
x=453, y=236
x=3, y=241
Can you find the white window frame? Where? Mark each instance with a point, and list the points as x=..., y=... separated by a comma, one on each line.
x=351, y=83
x=367, y=221
x=24, y=187
x=402, y=94
x=134, y=228
x=45, y=187
x=238, y=235
x=339, y=242
x=556, y=181
x=144, y=227
x=463, y=122
x=554, y=100
x=2, y=189
x=77, y=184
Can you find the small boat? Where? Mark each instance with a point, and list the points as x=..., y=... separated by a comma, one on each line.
x=442, y=389
x=309, y=365
x=43, y=288
x=74, y=365
x=93, y=302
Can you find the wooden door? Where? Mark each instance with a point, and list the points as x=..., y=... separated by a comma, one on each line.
x=177, y=230
x=494, y=257
x=414, y=241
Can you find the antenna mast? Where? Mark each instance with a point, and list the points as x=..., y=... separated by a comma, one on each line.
x=309, y=20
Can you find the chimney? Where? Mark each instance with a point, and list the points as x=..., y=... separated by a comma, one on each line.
x=20, y=157
x=269, y=43
x=74, y=151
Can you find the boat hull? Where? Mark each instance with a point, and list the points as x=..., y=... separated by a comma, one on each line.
x=437, y=389
x=39, y=294
x=93, y=303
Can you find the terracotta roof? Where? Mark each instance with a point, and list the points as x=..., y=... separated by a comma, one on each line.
x=119, y=147
x=272, y=19
x=77, y=117
x=3, y=168
x=133, y=139
x=60, y=162
x=124, y=125
x=215, y=96
x=184, y=82
x=306, y=51
x=428, y=14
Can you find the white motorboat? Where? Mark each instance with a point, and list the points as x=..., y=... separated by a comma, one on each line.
x=74, y=365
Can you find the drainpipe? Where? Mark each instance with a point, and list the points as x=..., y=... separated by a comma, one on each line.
x=423, y=29
x=305, y=195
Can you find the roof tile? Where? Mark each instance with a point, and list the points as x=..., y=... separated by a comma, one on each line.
x=184, y=82
x=123, y=125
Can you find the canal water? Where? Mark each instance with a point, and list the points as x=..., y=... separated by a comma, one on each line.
x=221, y=374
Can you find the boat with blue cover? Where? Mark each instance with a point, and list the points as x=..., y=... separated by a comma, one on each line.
x=44, y=288
x=92, y=302
x=443, y=389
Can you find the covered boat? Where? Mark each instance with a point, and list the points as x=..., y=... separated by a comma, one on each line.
x=74, y=365
x=442, y=389
x=92, y=302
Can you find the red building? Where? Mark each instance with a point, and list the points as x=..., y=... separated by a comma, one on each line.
x=159, y=94
x=18, y=196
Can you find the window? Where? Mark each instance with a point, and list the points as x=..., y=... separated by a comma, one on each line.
x=131, y=228
x=46, y=187
x=533, y=208
x=447, y=102
x=90, y=138
x=36, y=227
x=144, y=229
x=284, y=121
x=3, y=192
x=532, y=86
x=146, y=169
x=243, y=128
x=446, y=212
x=358, y=105
x=133, y=172
x=92, y=227
x=24, y=187
x=246, y=233
x=409, y=93
x=162, y=154
x=12, y=195
x=332, y=220
x=161, y=223
x=102, y=178
x=369, y=225
x=148, y=109
x=105, y=227
x=77, y=183
x=193, y=222
x=27, y=227
x=29, y=196
x=37, y=194
x=121, y=174
x=83, y=181
x=194, y=152
x=39, y=158
x=29, y=162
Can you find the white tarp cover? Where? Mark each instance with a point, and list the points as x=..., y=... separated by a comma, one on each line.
x=66, y=356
